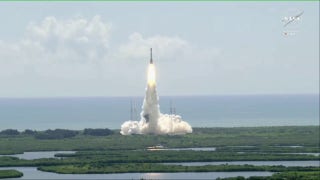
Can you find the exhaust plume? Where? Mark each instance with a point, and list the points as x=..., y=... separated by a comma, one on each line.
x=152, y=121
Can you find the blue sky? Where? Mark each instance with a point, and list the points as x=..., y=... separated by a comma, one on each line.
x=200, y=48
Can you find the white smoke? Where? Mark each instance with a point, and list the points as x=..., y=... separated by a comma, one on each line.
x=152, y=121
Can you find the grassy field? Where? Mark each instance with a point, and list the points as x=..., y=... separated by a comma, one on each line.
x=10, y=174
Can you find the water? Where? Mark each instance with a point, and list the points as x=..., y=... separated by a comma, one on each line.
x=38, y=155
x=313, y=154
x=290, y=146
x=256, y=163
x=199, y=111
x=184, y=149
x=33, y=173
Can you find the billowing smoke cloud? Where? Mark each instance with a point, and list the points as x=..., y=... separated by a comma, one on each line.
x=152, y=121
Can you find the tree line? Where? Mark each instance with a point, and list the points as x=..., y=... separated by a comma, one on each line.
x=58, y=133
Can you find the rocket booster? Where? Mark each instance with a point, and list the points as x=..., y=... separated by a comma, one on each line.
x=151, y=60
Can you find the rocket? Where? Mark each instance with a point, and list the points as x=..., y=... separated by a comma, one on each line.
x=151, y=61
x=151, y=71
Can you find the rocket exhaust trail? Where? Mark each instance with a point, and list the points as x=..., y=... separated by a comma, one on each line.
x=152, y=121
x=151, y=75
x=151, y=72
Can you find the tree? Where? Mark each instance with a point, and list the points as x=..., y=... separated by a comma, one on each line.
x=56, y=134
x=97, y=132
x=10, y=132
x=29, y=132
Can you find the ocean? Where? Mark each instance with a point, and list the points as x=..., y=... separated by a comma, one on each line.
x=200, y=111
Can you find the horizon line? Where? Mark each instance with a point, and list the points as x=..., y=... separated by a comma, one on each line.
x=186, y=95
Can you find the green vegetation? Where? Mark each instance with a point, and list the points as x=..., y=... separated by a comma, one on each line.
x=106, y=151
x=29, y=132
x=129, y=156
x=147, y=167
x=10, y=174
x=315, y=175
x=291, y=175
x=265, y=139
x=182, y=156
x=56, y=134
x=9, y=132
x=97, y=132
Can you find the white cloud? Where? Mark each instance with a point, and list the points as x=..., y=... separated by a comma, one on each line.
x=57, y=47
x=165, y=46
x=79, y=30
x=73, y=39
x=167, y=49
x=57, y=51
